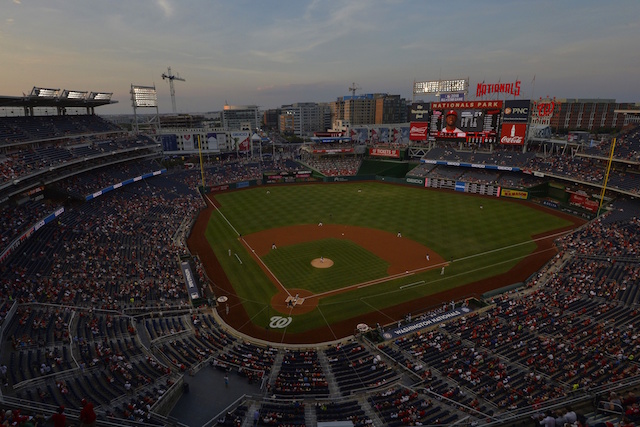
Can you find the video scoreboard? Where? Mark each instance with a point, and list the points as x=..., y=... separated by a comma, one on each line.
x=477, y=121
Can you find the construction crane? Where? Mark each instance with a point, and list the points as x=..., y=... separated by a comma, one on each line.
x=353, y=89
x=171, y=78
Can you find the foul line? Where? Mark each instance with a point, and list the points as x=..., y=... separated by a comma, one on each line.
x=251, y=250
x=255, y=256
x=222, y=215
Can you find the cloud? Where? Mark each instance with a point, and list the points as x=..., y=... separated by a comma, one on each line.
x=166, y=7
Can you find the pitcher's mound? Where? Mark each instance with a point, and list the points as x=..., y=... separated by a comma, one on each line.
x=322, y=263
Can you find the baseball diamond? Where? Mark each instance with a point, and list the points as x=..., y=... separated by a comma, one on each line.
x=475, y=244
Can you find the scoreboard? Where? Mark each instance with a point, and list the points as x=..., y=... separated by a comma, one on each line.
x=478, y=121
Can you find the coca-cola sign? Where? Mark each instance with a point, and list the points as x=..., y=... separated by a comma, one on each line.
x=418, y=131
x=513, y=133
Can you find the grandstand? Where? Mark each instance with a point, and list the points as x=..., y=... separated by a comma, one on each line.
x=94, y=306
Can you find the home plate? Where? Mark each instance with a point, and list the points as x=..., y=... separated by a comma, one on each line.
x=292, y=301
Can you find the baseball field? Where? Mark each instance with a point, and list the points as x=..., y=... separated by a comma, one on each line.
x=307, y=263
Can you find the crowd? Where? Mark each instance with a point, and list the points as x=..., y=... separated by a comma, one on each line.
x=343, y=166
x=572, y=332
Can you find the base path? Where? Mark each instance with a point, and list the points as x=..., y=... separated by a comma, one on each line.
x=401, y=253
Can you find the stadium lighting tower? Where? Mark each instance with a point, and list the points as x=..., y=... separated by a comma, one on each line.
x=171, y=78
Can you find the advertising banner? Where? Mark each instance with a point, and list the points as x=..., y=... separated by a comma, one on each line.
x=513, y=133
x=448, y=97
x=384, y=135
x=189, y=280
x=384, y=152
x=169, y=142
x=215, y=141
x=431, y=320
x=583, y=201
x=403, y=137
x=419, y=112
x=187, y=142
x=516, y=111
x=514, y=194
x=359, y=135
x=241, y=140
x=418, y=131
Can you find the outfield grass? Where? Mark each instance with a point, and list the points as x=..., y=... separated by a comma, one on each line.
x=483, y=241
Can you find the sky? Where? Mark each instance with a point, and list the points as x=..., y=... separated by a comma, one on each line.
x=275, y=52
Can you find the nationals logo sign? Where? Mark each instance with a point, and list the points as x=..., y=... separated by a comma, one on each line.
x=513, y=133
x=545, y=108
x=418, y=131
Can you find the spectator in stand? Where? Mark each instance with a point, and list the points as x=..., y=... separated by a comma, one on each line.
x=87, y=414
x=59, y=419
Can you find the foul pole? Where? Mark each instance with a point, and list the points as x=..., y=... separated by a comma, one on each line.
x=606, y=176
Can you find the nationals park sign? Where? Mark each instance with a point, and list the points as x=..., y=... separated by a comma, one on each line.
x=481, y=105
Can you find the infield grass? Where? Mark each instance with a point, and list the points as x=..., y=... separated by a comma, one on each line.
x=484, y=236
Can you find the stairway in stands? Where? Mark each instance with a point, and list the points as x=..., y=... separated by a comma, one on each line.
x=334, y=390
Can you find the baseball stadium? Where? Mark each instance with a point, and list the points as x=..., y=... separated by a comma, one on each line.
x=487, y=276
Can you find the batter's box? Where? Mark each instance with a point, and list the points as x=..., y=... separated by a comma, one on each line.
x=292, y=301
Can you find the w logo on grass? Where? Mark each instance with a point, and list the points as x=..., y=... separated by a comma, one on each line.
x=279, y=322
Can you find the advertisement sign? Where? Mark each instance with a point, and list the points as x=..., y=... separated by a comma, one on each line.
x=513, y=133
x=516, y=111
x=448, y=97
x=403, y=135
x=384, y=152
x=384, y=134
x=169, y=142
x=187, y=142
x=583, y=201
x=359, y=135
x=333, y=151
x=241, y=140
x=426, y=322
x=514, y=194
x=216, y=140
x=507, y=88
x=418, y=131
x=419, y=112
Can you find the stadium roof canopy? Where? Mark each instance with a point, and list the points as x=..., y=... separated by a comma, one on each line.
x=42, y=97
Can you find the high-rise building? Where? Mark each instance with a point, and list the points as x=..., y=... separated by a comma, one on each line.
x=369, y=108
x=240, y=117
x=304, y=118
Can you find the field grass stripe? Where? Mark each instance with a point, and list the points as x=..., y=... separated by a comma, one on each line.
x=554, y=236
x=222, y=215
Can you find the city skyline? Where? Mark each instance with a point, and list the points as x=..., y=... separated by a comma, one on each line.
x=273, y=53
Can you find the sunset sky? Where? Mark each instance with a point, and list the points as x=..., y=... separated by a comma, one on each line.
x=274, y=52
